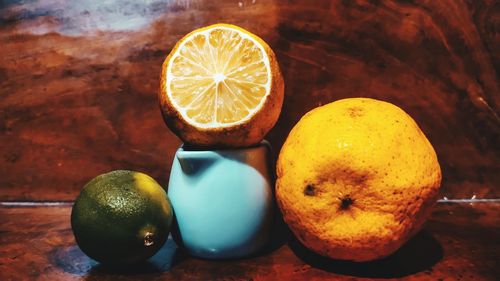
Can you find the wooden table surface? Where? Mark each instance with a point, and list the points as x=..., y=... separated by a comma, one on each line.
x=459, y=242
x=78, y=83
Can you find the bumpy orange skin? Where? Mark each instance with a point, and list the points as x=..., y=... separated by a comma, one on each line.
x=356, y=179
x=246, y=134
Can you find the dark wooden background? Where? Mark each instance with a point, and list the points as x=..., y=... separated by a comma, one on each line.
x=78, y=81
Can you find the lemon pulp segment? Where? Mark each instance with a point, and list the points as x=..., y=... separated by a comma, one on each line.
x=218, y=77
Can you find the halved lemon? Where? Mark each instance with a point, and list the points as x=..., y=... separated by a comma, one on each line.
x=221, y=86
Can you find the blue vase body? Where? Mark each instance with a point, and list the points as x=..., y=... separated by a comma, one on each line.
x=222, y=200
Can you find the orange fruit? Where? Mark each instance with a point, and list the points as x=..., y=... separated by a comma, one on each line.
x=221, y=86
x=356, y=178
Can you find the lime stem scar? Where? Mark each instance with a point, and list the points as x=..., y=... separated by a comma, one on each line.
x=149, y=239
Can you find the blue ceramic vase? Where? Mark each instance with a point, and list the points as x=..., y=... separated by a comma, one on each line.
x=222, y=200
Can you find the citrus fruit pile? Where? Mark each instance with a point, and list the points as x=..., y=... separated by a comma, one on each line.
x=356, y=178
x=221, y=86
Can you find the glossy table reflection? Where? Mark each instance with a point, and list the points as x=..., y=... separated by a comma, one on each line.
x=460, y=242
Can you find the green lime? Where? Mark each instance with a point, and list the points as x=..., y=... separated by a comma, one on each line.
x=121, y=217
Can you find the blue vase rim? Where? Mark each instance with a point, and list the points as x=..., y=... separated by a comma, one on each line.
x=263, y=144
